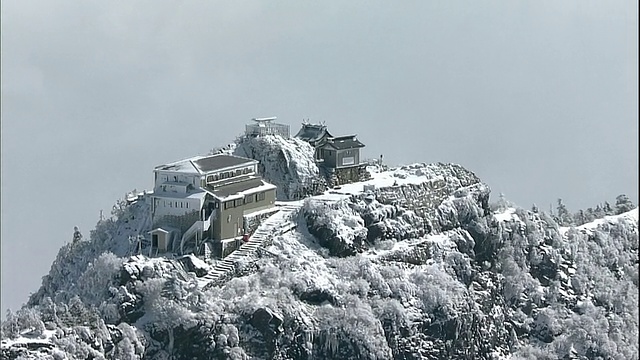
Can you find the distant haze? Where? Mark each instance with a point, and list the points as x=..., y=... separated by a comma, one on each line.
x=539, y=98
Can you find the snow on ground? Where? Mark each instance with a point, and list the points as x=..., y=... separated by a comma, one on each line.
x=304, y=258
x=407, y=175
x=443, y=240
x=508, y=215
x=26, y=338
x=591, y=226
x=197, y=263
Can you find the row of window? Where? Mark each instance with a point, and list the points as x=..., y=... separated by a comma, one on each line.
x=175, y=178
x=229, y=174
x=247, y=199
x=227, y=205
x=175, y=204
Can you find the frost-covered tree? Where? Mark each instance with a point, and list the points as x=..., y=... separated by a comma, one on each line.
x=77, y=235
x=623, y=204
x=607, y=209
x=563, y=217
x=24, y=320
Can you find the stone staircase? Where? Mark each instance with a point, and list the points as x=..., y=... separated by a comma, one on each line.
x=277, y=224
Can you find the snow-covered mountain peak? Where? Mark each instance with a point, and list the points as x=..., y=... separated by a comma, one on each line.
x=409, y=263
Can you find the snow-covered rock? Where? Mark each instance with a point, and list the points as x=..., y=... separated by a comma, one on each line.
x=410, y=264
x=288, y=163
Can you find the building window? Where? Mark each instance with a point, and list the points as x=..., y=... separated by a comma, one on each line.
x=348, y=160
x=238, y=172
x=260, y=196
x=187, y=205
x=237, y=202
x=228, y=205
x=248, y=199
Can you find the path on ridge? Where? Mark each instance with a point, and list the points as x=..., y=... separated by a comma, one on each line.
x=277, y=224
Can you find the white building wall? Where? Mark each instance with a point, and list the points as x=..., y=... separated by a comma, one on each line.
x=174, y=206
x=173, y=176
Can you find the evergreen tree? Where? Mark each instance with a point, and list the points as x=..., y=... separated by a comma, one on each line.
x=563, y=217
x=579, y=218
x=77, y=235
x=534, y=208
x=598, y=212
x=623, y=204
x=607, y=209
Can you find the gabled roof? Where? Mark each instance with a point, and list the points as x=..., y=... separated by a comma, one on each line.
x=312, y=132
x=344, y=142
x=204, y=164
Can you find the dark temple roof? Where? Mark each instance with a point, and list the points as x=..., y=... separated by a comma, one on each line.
x=344, y=142
x=312, y=133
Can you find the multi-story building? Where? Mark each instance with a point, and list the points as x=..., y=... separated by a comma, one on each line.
x=206, y=198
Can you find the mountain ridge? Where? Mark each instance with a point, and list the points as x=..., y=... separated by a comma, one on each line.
x=420, y=265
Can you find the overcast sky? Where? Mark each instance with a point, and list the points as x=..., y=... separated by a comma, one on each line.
x=539, y=98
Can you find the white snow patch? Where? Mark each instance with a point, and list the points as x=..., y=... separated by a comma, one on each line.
x=507, y=215
x=413, y=175
x=611, y=219
x=26, y=338
x=312, y=267
x=197, y=263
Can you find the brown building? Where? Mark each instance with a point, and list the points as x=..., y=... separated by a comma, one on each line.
x=205, y=199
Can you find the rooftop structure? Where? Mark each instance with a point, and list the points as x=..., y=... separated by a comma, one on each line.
x=201, y=165
x=313, y=133
x=266, y=126
x=344, y=142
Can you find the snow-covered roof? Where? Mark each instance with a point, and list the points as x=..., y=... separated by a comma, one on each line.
x=312, y=132
x=204, y=164
x=267, y=119
x=344, y=142
x=238, y=190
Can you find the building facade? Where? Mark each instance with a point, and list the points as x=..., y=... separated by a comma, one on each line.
x=205, y=198
x=340, y=152
x=330, y=151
